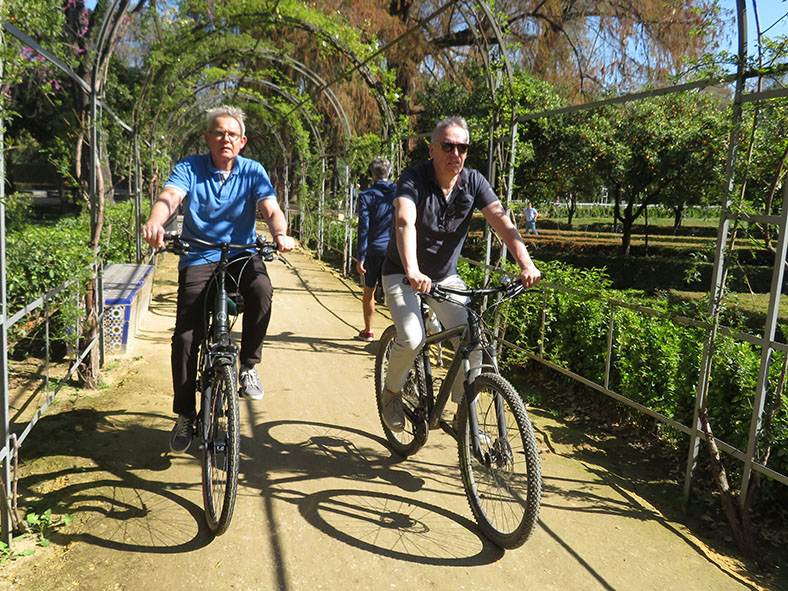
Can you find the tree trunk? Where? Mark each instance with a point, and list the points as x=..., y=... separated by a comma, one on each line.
x=678, y=216
x=571, y=209
x=89, y=370
x=742, y=537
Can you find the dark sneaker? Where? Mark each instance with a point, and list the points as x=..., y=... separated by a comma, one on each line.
x=250, y=385
x=393, y=412
x=366, y=335
x=182, y=433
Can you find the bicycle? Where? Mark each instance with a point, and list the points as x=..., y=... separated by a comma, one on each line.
x=499, y=458
x=217, y=426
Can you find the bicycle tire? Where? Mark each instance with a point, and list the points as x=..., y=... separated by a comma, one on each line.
x=221, y=451
x=414, y=435
x=505, y=491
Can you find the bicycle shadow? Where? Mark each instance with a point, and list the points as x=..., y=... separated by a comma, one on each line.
x=290, y=452
x=89, y=462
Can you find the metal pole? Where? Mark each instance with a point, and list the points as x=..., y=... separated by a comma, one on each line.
x=717, y=287
x=137, y=198
x=767, y=352
x=287, y=196
x=93, y=176
x=321, y=209
x=5, y=470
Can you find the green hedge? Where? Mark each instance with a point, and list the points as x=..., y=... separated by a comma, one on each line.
x=42, y=254
x=655, y=360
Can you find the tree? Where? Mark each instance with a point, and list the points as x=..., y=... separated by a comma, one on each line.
x=664, y=150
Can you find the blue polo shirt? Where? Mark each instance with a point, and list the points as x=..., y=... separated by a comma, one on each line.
x=218, y=209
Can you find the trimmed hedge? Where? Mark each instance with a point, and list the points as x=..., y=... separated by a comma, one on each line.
x=655, y=361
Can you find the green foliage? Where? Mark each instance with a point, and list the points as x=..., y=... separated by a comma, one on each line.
x=655, y=360
x=43, y=522
x=42, y=255
x=7, y=553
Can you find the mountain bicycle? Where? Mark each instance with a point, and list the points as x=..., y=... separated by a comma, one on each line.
x=218, y=425
x=499, y=458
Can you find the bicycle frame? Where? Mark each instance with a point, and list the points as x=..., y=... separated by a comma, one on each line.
x=222, y=351
x=470, y=341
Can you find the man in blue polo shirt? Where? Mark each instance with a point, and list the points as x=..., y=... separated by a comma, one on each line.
x=375, y=212
x=221, y=192
x=433, y=207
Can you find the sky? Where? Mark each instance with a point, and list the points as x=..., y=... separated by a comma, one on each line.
x=773, y=16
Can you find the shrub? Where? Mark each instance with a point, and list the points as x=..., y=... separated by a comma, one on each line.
x=656, y=361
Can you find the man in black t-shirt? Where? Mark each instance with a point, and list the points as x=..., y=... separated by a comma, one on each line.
x=433, y=206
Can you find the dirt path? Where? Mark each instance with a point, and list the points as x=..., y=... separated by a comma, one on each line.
x=322, y=504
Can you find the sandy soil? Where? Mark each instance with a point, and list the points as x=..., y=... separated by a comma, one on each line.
x=322, y=503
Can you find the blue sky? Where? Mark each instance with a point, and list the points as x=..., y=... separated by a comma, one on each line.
x=773, y=15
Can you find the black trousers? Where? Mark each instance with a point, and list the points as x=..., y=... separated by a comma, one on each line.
x=194, y=289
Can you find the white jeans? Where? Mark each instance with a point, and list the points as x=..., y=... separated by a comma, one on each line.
x=403, y=303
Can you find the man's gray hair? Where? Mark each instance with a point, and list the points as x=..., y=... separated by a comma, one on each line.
x=225, y=111
x=380, y=168
x=455, y=121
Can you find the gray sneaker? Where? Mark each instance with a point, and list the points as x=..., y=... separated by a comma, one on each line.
x=392, y=411
x=250, y=385
x=182, y=433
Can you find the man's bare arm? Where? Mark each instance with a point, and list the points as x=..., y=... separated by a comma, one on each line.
x=163, y=209
x=277, y=223
x=500, y=222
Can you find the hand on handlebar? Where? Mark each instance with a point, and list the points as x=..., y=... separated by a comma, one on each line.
x=153, y=234
x=419, y=281
x=284, y=242
x=530, y=276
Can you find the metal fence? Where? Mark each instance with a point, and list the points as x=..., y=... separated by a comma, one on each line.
x=341, y=244
x=31, y=406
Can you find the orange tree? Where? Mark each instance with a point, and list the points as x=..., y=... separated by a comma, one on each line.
x=666, y=151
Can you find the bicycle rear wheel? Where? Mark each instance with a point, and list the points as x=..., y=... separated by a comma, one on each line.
x=504, y=487
x=220, y=454
x=414, y=435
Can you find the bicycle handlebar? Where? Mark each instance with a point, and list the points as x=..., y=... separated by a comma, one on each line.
x=508, y=287
x=180, y=245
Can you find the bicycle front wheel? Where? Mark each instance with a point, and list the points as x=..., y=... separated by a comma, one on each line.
x=504, y=484
x=414, y=435
x=220, y=454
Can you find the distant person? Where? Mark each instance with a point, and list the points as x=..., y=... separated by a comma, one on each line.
x=375, y=212
x=531, y=216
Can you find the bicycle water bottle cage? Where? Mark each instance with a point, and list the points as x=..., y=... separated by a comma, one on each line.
x=235, y=304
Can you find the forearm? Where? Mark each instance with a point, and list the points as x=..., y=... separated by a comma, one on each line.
x=277, y=224
x=406, y=245
x=162, y=210
x=511, y=238
x=274, y=217
x=164, y=207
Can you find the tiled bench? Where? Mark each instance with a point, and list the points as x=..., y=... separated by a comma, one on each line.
x=127, y=294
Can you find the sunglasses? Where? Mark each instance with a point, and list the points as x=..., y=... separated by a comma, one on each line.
x=448, y=147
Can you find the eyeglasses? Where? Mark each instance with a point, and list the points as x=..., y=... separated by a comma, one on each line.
x=448, y=147
x=220, y=135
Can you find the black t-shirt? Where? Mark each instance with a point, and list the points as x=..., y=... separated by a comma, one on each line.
x=441, y=223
